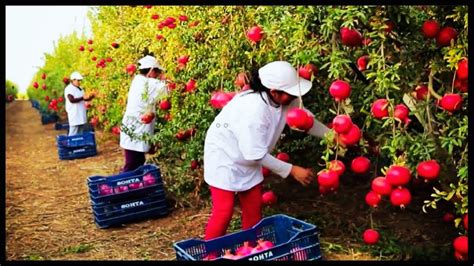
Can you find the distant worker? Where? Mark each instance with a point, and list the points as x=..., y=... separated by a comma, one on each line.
x=75, y=105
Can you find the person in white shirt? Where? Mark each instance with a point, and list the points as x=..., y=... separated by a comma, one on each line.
x=239, y=142
x=139, y=117
x=75, y=105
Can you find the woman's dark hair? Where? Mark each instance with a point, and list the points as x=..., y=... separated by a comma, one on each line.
x=257, y=86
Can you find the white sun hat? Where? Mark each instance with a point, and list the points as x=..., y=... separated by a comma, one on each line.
x=149, y=62
x=76, y=75
x=281, y=75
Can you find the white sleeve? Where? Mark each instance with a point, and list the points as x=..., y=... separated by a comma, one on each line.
x=279, y=167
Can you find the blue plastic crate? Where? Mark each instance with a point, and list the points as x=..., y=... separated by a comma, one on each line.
x=106, y=212
x=76, y=152
x=48, y=118
x=61, y=126
x=117, y=187
x=293, y=239
x=149, y=213
x=79, y=140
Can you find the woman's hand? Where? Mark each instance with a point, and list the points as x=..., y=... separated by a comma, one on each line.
x=303, y=175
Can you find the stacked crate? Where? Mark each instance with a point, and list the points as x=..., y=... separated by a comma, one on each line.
x=61, y=125
x=76, y=146
x=127, y=197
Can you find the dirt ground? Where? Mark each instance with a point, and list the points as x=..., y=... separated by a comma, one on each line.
x=48, y=214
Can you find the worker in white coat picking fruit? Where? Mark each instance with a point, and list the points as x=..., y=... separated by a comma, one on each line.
x=242, y=136
x=75, y=104
x=139, y=117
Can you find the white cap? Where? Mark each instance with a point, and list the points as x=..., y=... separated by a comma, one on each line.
x=149, y=62
x=280, y=75
x=76, y=75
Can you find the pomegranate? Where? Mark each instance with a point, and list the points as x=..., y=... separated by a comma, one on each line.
x=421, y=92
x=148, y=180
x=460, y=244
x=171, y=85
x=115, y=45
x=366, y=41
x=66, y=80
x=464, y=221
x=379, y=108
x=429, y=170
x=116, y=130
x=155, y=16
x=183, y=59
x=299, y=119
x=131, y=68
x=241, y=79
x=342, y=124
x=362, y=62
x=448, y=217
x=89, y=41
x=43, y=76
x=451, y=102
x=229, y=255
x=165, y=105
x=401, y=112
x=265, y=171
x=430, y=28
x=105, y=189
x=350, y=37
x=351, y=137
x=299, y=254
x=262, y=245
x=35, y=84
x=458, y=256
x=147, y=117
x=255, y=34
x=81, y=48
x=381, y=186
x=183, y=18
x=337, y=166
x=398, y=175
x=269, y=198
x=194, y=164
x=400, y=197
x=190, y=86
x=159, y=37
x=135, y=185
x=94, y=121
x=43, y=86
x=462, y=72
x=360, y=165
x=340, y=90
x=328, y=178
x=307, y=71
x=373, y=199
x=121, y=189
x=371, y=236
x=283, y=156
x=244, y=250
x=390, y=25
x=220, y=99
x=461, y=85
x=445, y=35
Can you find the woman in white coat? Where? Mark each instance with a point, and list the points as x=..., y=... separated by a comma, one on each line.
x=240, y=140
x=139, y=117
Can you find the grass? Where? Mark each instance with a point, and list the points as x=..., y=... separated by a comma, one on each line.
x=81, y=248
x=33, y=257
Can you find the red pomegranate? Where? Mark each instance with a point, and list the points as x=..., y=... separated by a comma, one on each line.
x=421, y=92
x=429, y=170
x=398, y=175
x=372, y=199
x=183, y=59
x=430, y=28
x=400, y=197
x=350, y=37
x=401, y=112
x=35, y=84
x=461, y=85
x=351, y=137
x=190, y=86
x=255, y=34
x=328, y=178
x=299, y=119
x=462, y=72
x=165, y=105
x=451, y=102
x=460, y=244
x=448, y=217
x=362, y=62
x=464, y=221
x=379, y=108
x=381, y=186
x=360, y=165
x=371, y=236
x=307, y=71
x=340, y=90
x=265, y=171
x=342, y=124
x=445, y=35
x=131, y=68
x=337, y=166
x=283, y=156
x=269, y=198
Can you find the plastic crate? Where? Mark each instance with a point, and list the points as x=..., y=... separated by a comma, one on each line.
x=293, y=239
x=117, y=187
x=149, y=206
x=79, y=140
x=48, y=118
x=61, y=126
x=66, y=153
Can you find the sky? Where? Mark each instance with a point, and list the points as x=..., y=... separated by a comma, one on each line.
x=31, y=31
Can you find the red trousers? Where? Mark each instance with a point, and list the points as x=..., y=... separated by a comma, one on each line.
x=223, y=208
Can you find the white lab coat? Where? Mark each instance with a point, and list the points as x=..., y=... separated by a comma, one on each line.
x=142, y=96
